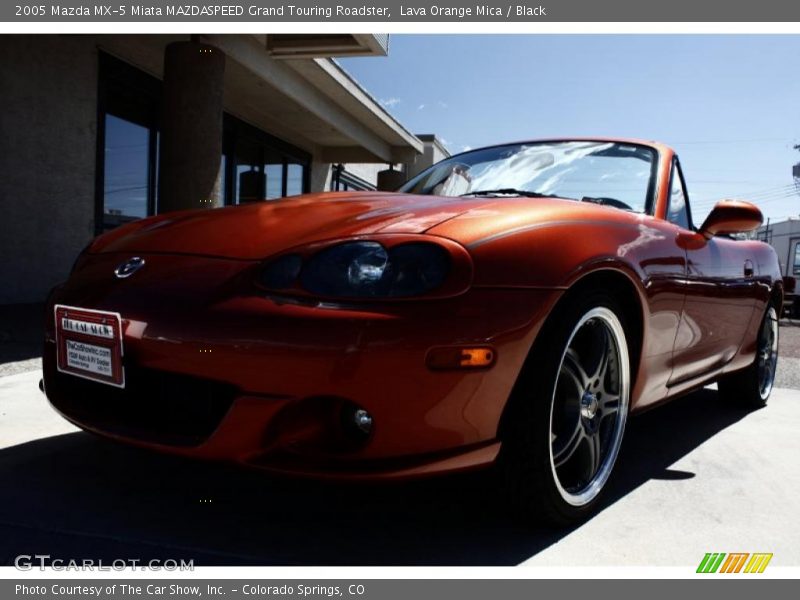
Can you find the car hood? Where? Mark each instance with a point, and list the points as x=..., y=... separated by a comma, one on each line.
x=261, y=229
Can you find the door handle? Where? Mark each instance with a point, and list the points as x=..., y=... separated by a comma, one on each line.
x=748, y=269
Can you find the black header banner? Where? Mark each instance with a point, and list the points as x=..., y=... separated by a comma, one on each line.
x=313, y=11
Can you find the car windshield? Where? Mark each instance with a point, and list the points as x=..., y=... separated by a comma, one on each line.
x=611, y=173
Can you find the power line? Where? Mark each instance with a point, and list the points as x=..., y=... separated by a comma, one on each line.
x=789, y=190
x=787, y=194
x=749, y=141
x=772, y=190
x=776, y=196
x=785, y=191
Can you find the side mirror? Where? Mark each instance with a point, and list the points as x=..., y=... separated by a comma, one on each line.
x=731, y=216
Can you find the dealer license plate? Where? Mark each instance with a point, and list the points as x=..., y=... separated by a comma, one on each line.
x=89, y=344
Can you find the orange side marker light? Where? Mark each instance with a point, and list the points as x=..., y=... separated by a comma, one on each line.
x=454, y=357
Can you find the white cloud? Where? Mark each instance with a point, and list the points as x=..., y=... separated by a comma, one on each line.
x=390, y=102
x=466, y=148
x=420, y=107
x=442, y=104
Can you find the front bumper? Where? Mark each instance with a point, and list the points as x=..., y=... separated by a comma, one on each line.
x=217, y=374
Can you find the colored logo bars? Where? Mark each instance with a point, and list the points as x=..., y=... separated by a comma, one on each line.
x=734, y=562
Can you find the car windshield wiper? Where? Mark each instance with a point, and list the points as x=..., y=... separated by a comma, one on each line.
x=508, y=192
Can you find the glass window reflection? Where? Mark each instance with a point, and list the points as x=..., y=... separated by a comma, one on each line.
x=274, y=180
x=678, y=212
x=126, y=173
x=294, y=179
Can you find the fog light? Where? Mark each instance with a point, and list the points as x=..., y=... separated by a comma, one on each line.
x=363, y=420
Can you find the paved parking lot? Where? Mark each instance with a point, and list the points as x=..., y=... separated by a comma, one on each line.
x=789, y=365
x=693, y=476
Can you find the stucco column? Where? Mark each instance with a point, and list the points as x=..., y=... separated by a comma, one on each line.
x=191, y=126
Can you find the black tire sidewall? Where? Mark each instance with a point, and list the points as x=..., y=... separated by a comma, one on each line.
x=525, y=453
x=743, y=388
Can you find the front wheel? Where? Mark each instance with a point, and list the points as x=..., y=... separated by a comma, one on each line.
x=752, y=386
x=567, y=415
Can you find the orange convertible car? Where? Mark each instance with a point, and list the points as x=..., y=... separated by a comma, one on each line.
x=511, y=305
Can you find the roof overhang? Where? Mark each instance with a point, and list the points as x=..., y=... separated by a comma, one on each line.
x=310, y=103
x=303, y=45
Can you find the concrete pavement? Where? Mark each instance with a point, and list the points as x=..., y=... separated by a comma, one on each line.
x=788, y=374
x=24, y=416
x=693, y=476
x=737, y=489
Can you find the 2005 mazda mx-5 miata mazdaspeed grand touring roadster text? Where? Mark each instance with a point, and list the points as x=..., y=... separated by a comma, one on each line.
x=509, y=306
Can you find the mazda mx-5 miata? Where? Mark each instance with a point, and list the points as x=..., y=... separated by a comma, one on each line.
x=509, y=306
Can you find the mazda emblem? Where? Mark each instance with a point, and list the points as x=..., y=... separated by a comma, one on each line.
x=129, y=267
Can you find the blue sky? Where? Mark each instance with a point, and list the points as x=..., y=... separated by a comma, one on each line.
x=729, y=105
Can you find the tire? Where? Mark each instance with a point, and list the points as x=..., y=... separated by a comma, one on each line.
x=566, y=417
x=751, y=387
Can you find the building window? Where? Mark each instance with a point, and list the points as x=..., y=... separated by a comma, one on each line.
x=249, y=176
x=274, y=172
x=259, y=166
x=294, y=179
x=127, y=153
x=796, y=265
x=255, y=165
x=344, y=181
x=126, y=174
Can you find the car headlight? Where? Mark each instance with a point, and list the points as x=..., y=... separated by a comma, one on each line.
x=282, y=273
x=352, y=269
x=417, y=268
x=362, y=269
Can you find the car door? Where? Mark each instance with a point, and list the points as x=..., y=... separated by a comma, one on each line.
x=719, y=293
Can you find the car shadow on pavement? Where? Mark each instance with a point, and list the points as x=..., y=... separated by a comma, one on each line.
x=76, y=496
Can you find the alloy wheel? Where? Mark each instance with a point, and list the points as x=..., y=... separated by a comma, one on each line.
x=589, y=407
x=767, y=353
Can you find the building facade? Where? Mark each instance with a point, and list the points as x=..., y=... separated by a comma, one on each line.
x=101, y=130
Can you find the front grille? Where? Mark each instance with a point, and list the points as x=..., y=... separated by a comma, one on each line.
x=154, y=406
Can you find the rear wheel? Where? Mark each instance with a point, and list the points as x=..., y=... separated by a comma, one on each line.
x=567, y=415
x=752, y=386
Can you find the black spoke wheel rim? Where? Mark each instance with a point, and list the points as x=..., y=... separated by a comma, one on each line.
x=589, y=406
x=767, y=353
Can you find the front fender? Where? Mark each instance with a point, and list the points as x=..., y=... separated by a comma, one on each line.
x=553, y=255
